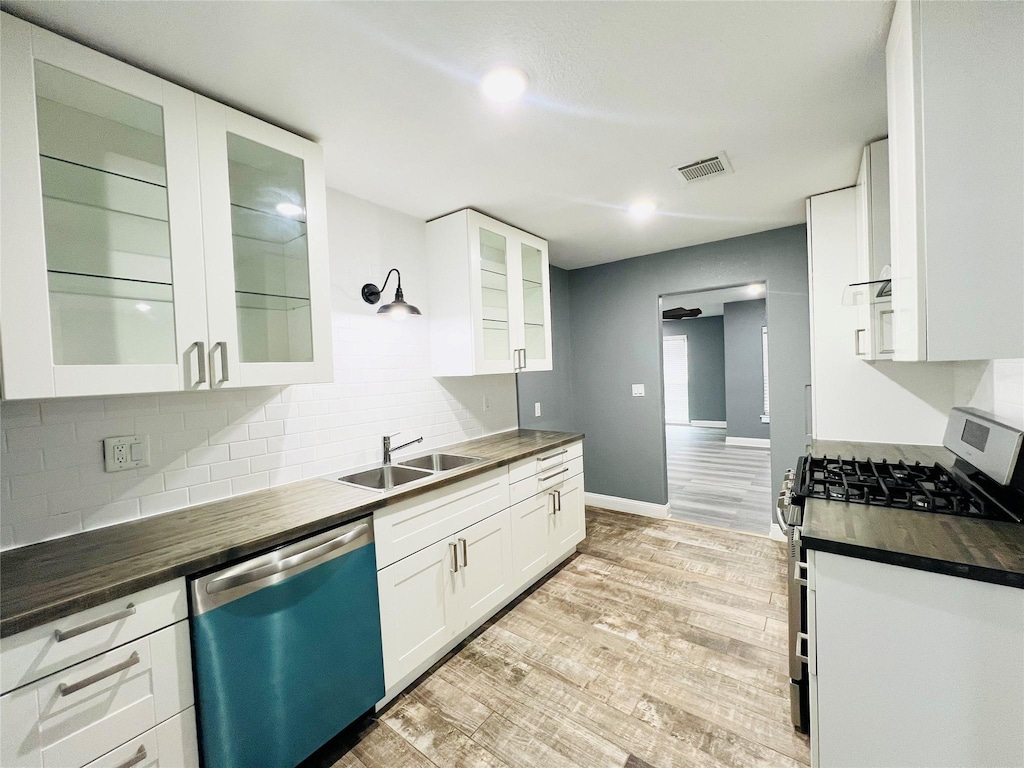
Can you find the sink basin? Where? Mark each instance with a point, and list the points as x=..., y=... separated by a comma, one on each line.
x=384, y=478
x=439, y=462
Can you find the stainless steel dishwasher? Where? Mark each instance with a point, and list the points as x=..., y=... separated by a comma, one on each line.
x=287, y=649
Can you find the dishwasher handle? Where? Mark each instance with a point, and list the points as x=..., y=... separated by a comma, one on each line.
x=294, y=561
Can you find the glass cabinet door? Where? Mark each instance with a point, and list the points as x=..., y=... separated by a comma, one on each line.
x=494, y=292
x=102, y=279
x=264, y=206
x=536, y=322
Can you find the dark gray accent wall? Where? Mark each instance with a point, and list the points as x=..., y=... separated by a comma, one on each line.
x=616, y=338
x=744, y=378
x=552, y=389
x=705, y=357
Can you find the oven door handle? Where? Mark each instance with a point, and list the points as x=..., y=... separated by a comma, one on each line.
x=779, y=504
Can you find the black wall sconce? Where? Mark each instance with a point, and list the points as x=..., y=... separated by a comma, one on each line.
x=398, y=307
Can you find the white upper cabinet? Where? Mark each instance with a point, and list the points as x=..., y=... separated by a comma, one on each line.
x=115, y=276
x=956, y=166
x=265, y=234
x=490, y=297
x=872, y=337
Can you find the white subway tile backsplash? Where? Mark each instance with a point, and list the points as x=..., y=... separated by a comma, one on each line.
x=209, y=445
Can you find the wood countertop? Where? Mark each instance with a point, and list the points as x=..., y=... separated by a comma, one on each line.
x=984, y=550
x=50, y=580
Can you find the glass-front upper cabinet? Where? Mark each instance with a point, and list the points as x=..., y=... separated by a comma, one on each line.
x=101, y=244
x=490, y=301
x=264, y=209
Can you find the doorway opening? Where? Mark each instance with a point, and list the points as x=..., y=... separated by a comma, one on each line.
x=716, y=407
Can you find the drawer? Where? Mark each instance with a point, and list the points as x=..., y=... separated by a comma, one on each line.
x=524, y=468
x=172, y=744
x=408, y=527
x=70, y=718
x=546, y=480
x=37, y=652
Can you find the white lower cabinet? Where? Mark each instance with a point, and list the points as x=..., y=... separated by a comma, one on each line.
x=913, y=669
x=456, y=579
x=418, y=609
x=172, y=744
x=72, y=717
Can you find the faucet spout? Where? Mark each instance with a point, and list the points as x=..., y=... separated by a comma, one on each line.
x=388, y=449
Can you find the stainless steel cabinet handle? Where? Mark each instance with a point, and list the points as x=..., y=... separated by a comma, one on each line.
x=135, y=759
x=856, y=341
x=262, y=572
x=553, y=455
x=453, y=550
x=798, y=569
x=554, y=474
x=201, y=357
x=465, y=552
x=558, y=501
x=801, y=637
x=66, y=689
x=67, y=634
x=554, y=506
x=223, y=345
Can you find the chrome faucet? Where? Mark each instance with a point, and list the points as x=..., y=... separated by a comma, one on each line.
x=388, y=450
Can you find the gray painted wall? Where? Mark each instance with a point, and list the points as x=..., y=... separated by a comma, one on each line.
x=616, y=335
x=705, y=355
x=744, y=379
x=552, y=389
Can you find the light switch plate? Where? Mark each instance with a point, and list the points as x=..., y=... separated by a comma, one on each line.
x=536, y=410
x=638, y=390
x=125, y=452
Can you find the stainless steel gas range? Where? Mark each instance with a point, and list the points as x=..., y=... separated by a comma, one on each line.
x=985, y=482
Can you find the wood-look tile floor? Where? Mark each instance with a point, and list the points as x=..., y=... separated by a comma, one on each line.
x=717, y=484
x=661, y=643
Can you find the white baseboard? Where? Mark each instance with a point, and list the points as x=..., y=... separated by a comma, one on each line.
x=618, y=504
x=750, y=442
x=710, y=424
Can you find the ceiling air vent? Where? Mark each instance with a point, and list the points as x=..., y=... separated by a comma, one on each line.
x=705, y=169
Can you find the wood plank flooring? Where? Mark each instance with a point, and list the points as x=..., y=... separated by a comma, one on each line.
x=717, y=484
x=660, y=644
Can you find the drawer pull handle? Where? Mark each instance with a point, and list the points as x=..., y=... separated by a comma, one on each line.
x=554, y=474
x=453, y=550
x=135, y=759
x=67, y=634
x=66, y=689
x=465, y=552
x=558, y=501
x=554, y=455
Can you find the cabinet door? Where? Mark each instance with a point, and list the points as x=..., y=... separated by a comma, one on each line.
x=902, y=85
x=103, y=285
x=485, y=566
x=265, y=232
x=533, y=299
x=567, y=523
x=528, y=521
x=419, y=610
x=493, y=269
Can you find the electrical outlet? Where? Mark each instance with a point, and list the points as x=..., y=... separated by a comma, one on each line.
x=487, y=402
x=638, y=390
x=126, y=452
x=536, y=410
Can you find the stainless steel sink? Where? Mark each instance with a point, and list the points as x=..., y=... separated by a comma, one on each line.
x=439, y=462
x=384, y=478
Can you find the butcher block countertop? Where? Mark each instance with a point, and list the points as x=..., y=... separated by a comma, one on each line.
x=958, y=546
x=50, y=580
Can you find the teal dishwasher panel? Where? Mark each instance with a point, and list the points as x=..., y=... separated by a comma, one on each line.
x=282, y=670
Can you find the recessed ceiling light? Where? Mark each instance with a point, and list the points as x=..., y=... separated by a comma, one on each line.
x=290, y=209
x=504, y=84
x=755, y=290
x=642, y=209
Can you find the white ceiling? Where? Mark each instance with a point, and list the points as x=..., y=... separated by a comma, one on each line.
x=712, y=303
x=620, y=93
